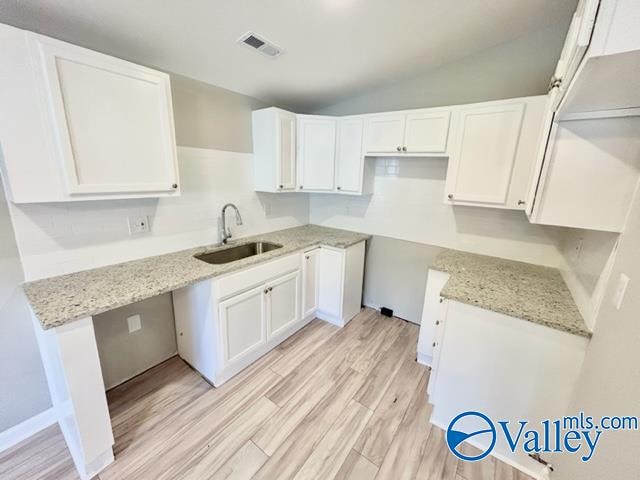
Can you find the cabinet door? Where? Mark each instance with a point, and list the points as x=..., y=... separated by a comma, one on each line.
x=283, y=303
x=575, y=46
x=427, y=132
x=385, y=133
x=349, y=157
x=316, y=152
x=286, y=154
x=242, y=323
x=483, y=158
x=309, y=282
x=330, y=282
x=112, y=120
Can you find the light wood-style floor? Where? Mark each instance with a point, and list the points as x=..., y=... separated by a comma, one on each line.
x=326, y=404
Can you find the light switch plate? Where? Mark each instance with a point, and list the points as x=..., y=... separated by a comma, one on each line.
x=618, y=296
x=138, y=224
x=134, y=322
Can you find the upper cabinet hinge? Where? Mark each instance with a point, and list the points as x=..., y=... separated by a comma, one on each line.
x=555, y=82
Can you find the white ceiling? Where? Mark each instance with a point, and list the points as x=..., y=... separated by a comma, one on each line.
x=332, y=48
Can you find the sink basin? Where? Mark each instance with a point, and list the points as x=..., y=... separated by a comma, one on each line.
x=237, y=253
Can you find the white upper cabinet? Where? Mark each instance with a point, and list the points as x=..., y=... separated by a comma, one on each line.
x=493, y=153
x=274, y=149
x=574, y=49
x=349, y=155
x=591, y=172
x=426, y=132
x=417, y=133
x=316, y=152
x=587, y=167
x=89, y=126
x=385, y=133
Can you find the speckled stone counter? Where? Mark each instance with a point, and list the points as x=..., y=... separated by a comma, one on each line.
x=59, y=300
x=523, y=290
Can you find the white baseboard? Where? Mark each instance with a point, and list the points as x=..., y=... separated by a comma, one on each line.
x=29, y=427
x=424, y=359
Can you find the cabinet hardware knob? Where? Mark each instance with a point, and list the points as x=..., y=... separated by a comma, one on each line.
x=404, y=149
x=266, y=290
x=339, y=188
x=175, y=185
x=280, y=186
x=450, y=196
x=300, y=187
x=270, y=288
x=433, y=344
x=437, y=322
x=521, y=202
x=441, y=299
x=307, y=257
x=399, y=149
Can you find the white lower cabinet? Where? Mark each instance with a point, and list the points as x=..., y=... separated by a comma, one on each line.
x=431, y=322
x=310, y=277
x=505, y=367
x=282, y=303
x=242, y=320
x=225, y=324
x=340, y=283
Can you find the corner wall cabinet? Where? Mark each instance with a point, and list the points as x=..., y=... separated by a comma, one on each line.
x=353, y=176
x=79, y=125
x=316, y=137
x=493, y=152
x=225, y=324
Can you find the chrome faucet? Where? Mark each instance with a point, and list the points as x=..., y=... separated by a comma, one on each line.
x=226, y=232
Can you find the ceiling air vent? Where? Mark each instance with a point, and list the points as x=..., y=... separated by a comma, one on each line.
x=260, y=44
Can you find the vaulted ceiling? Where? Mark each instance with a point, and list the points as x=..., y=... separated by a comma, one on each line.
x=332, y=48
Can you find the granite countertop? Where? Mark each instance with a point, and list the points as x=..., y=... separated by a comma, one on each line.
x=523, y=290
x=59, y=300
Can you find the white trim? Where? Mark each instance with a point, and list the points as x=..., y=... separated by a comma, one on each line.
x=424, y=359
x=26, y=429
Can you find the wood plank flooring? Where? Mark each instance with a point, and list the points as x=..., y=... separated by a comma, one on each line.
x=328, y=403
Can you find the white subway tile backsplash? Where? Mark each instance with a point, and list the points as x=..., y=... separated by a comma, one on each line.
x=407, y=204
x=60, y=238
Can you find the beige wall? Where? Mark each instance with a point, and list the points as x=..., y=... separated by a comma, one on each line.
x=396, y=275
x=124, y=355
x=23, y=385
x=207, y=116
x=609, y=383
x=515, y=69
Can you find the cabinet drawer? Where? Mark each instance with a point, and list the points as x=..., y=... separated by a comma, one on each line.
x=237, y=282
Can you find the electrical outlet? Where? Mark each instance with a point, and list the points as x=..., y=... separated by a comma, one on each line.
x=138, y=224
x=618, y=296
x=134, y=322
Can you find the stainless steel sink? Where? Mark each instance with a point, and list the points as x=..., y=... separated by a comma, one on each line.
x=237, y=253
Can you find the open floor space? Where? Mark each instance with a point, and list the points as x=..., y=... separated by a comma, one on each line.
x=326, y=404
